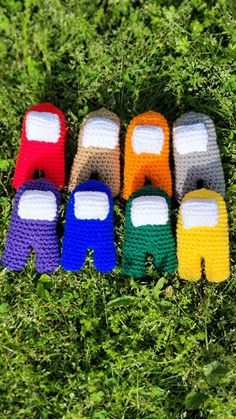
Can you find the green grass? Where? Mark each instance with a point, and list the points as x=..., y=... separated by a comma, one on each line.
x=67, y=349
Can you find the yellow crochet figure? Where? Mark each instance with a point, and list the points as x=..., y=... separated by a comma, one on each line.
x=202, y=233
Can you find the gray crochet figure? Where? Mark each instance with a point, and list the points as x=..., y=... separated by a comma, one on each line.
x=196, y=155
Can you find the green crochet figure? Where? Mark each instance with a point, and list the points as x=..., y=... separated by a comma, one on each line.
x=148, y=231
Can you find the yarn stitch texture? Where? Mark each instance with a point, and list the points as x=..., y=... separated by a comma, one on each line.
x=153, y=166
x=102, y=158
x=208, y=239
x=154, y=239
x=42, y=146
x=194, y=163
x=27, y=232
x=82, y=232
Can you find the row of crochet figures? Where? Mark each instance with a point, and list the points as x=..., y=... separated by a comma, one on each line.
x=202, y=227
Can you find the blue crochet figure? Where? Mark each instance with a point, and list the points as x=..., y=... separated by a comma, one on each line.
x=89, y=225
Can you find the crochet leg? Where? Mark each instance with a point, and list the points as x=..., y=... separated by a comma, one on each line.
x=189, y=267
x=16, y=253
x=81, y=170
x=157, y=260
x=24, y=170
x=111, y=177
x=54, y=170
x=171, y=262
x=184, y=183
x=167, y=263
x=105, y=257
x=162, y=180
x=216, y=182
x=47, y=255
x=217, y=266
x=73, y=256
x=134, y=181
x=133, y=264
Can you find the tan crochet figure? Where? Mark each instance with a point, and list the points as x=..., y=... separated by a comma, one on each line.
x=98, y=151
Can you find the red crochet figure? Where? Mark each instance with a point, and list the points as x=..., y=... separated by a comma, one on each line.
x=42, y=145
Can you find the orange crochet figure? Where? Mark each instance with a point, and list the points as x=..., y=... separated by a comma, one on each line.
x=147, y=153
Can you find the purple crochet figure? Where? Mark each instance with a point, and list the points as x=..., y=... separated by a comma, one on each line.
x=33, y=226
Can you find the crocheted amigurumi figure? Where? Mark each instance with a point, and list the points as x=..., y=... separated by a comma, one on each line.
x=98, y=151
x=33, y=226
x=196, y=155
x=42, y=145
x=89, y=225
x=148, y=231
x=202, y=232
x=147, y=153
